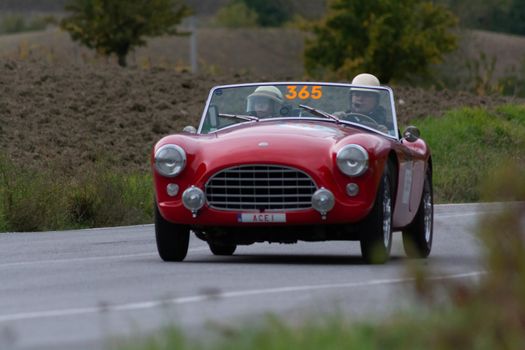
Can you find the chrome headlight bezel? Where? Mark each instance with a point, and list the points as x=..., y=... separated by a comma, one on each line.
x=170, y=160
x=352, y=160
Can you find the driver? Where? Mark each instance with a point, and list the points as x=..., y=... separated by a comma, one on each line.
x=366, y=101
x=266, y=101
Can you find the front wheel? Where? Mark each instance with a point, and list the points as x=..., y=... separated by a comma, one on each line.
x=376, y=240
x=172, y=239
x=417, y=237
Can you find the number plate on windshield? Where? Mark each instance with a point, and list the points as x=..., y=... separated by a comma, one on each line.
x=261, y=217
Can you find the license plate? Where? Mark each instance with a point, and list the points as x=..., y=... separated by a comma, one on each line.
x=261, y=217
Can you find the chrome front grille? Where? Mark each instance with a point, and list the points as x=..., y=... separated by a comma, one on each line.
x=260, y=187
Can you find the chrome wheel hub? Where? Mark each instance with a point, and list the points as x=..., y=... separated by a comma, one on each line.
x=387, y=215
x=427, y=202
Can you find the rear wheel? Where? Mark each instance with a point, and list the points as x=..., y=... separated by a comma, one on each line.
x=222, y=249
x=172, y=239
x=376, y=240
x=417, y=237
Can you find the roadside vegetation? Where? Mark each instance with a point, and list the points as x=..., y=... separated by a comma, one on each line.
x=467, y=144
x=485, y=313
x=52, y=199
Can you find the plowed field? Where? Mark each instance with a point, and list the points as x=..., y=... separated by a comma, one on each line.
x=72, y=115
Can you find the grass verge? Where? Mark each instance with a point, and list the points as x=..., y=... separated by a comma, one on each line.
x=52, y=199
x=468, y=144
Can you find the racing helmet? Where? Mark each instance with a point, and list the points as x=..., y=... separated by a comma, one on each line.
x=365, y=79
x=266, y=94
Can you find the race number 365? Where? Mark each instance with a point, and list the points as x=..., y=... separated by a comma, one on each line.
x=304, y=92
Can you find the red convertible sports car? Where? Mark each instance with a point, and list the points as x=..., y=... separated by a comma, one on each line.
x=289, y=161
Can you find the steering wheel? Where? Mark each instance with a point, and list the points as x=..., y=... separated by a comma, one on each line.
x=357, y=118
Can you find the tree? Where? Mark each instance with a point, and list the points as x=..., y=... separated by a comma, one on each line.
x=118, y=26
x=517, y=17
x=389, y=38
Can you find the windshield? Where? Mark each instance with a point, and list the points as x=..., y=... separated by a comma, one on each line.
x=367, y=106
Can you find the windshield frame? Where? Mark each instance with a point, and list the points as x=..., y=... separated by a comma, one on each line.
x=386, y=88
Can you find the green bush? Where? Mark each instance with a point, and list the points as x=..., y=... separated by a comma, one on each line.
x=392, y=39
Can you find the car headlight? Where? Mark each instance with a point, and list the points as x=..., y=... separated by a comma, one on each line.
x=170, y=160
x=352, y=160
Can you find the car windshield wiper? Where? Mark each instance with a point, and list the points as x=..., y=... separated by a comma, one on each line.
x=320, y=113
x=239, y=116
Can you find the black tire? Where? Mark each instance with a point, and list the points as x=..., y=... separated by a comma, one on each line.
x=417, y=237
x=222, y=249
x=172, y=239
x=376, y=239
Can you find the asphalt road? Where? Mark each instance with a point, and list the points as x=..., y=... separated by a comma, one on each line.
x=86, y=289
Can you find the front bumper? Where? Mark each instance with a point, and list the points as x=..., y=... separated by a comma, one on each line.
x=175, y=212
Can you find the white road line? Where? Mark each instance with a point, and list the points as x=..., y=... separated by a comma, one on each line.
x=443, y=216
x=93, y=258
x=227, y=295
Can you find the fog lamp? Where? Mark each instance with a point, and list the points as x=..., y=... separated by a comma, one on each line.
x=323, y=201
x=193, y=199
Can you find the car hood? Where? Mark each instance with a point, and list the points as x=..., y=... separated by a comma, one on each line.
x=300, y=143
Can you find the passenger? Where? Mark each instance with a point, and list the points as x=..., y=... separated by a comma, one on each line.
x=265, y=102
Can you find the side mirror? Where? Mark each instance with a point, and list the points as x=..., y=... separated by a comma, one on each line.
x=189, y=129
x=411, y=134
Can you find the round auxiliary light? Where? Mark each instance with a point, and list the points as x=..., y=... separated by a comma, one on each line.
x=352, y=160
x=170, y=160
x=352, y=189
x=193, y=199
x=172, y=190
x=323, y=201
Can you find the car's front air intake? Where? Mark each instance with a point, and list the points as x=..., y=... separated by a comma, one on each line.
x=260, y=187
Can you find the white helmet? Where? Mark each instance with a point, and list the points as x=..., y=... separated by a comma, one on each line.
x=367, y=80
x=267, y=93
